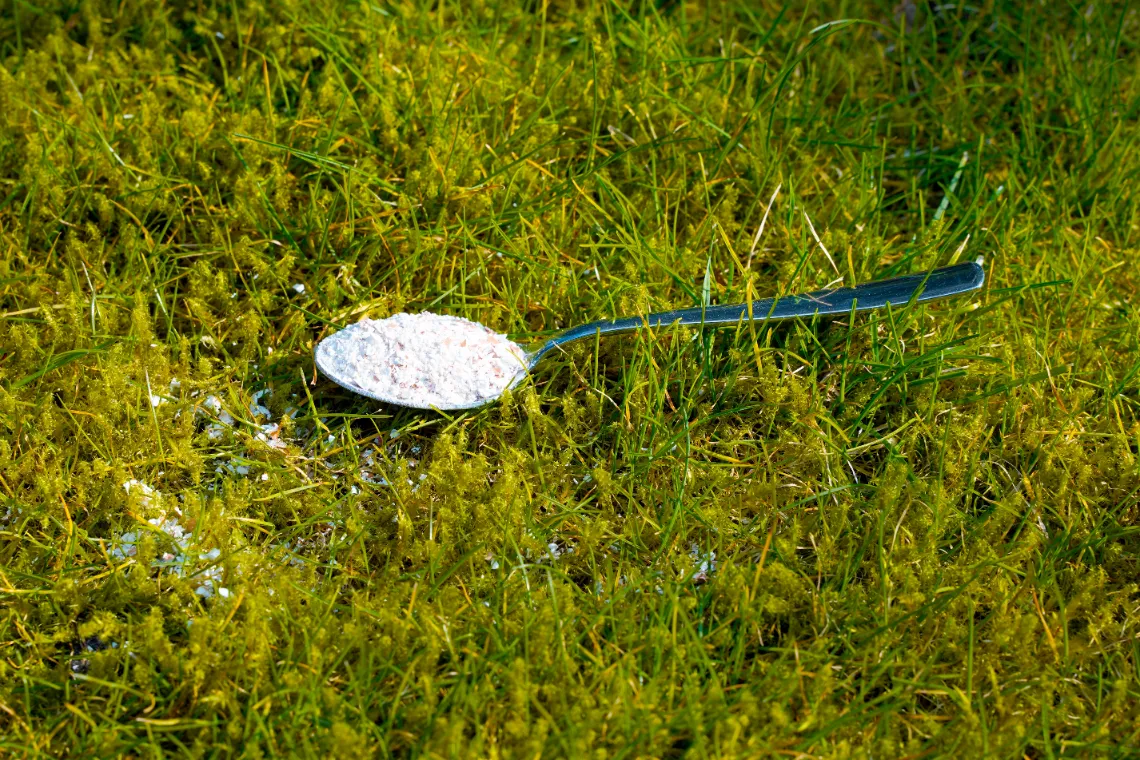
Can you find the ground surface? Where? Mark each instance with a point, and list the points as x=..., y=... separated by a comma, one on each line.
x=913, y=534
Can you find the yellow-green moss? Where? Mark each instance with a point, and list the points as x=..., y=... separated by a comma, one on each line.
x=910, y=534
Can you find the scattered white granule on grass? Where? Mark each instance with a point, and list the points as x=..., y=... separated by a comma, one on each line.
x=705, y=563
x=141, y=488
x=256, y=408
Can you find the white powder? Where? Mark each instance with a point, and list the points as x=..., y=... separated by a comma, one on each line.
x=422, y=360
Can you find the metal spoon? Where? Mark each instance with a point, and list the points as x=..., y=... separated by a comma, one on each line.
x=897, y=291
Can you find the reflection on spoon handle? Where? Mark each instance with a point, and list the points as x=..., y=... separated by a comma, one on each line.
x=897, y=291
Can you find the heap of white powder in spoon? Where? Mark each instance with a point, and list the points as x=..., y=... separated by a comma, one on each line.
x=422, y=360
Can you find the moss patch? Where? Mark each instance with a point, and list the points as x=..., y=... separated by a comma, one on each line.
x=906, y=534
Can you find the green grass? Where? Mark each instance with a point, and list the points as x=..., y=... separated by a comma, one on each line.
x=925, y=522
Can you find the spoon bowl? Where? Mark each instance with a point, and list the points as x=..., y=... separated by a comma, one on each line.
x=877, y=294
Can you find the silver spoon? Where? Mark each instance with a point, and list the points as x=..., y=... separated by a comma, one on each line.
x=897, y=291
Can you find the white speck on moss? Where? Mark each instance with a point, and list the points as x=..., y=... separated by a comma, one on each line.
x=256, y=408
x=141, y=488
x=705, y=562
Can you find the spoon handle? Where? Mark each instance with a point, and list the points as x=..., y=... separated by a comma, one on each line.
x=897, y=291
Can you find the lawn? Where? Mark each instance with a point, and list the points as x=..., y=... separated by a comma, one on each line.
x=913, y=533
